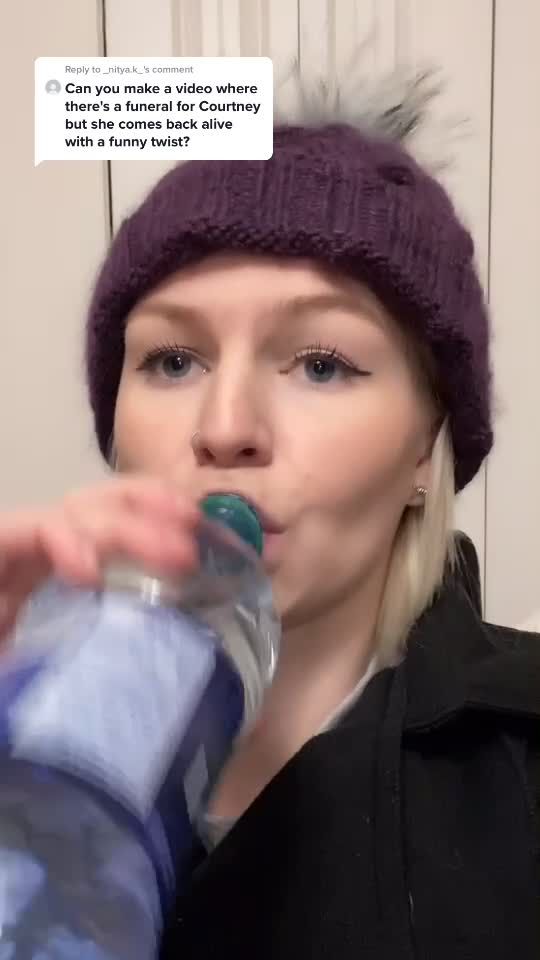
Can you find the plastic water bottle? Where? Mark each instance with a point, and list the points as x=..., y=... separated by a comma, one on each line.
x=118, y=710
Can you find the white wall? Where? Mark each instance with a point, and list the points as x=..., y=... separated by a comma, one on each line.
x=58, y=215
x=54, y=229
x=513, y=489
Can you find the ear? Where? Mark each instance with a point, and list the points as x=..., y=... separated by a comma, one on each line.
x=422, y=473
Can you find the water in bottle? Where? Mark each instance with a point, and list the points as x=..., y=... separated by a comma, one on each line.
x=118, y=710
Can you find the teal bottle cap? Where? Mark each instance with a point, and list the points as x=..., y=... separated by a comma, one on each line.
x=237, y=514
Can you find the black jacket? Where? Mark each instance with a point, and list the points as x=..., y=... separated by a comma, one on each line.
x=408, y=831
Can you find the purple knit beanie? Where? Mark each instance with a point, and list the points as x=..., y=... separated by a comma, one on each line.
x=356, y=201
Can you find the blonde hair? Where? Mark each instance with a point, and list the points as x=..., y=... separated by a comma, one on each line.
x=424, y=551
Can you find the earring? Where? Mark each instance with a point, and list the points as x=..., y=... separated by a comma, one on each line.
x=194, y=441
x=421, y=492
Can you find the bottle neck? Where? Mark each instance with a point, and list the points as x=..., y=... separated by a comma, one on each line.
x=150, y=588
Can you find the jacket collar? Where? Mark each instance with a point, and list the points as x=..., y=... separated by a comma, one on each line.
x=455, y=661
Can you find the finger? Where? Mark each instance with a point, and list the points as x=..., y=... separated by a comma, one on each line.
x=17, y=535
x=141, y=494
x=163, y=546
x=21, y=556
x=70, y=554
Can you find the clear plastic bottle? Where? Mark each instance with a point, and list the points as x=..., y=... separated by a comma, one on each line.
x=118, y=710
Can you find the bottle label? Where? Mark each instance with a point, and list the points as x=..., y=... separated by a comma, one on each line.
x=112, y=706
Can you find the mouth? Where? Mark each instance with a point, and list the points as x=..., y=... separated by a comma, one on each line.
x=268, y=523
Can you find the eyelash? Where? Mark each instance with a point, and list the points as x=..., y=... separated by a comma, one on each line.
x=164, y=349
x=316, y=350
x=319, y=350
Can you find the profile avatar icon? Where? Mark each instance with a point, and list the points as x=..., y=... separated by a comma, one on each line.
x=52, y=86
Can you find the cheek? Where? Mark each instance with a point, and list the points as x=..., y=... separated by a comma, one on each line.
x=354, y=473
x=354, y=452
x=150, y=430
x=134, y=423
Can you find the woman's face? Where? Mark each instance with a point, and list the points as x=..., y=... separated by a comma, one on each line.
x=305, y=398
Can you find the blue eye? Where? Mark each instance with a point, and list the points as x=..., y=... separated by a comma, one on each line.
x=323, y=368
x=179, y=361
x=180, y=365
x=325, y=364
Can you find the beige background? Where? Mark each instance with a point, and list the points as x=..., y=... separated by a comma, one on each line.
x=58, y=217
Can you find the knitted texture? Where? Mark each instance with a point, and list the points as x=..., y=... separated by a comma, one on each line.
x=335, y=195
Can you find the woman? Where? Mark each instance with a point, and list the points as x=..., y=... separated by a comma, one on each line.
x=310, y=331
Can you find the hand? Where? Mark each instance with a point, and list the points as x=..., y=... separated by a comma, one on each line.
x=139, y=517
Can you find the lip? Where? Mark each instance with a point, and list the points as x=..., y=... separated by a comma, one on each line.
x=268, y=523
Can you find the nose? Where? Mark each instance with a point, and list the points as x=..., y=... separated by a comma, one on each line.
x=233, y=450
x=230, y=454
x=233, y=430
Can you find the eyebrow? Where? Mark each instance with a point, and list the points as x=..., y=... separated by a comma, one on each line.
x=296, y=307
x=306, y=304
